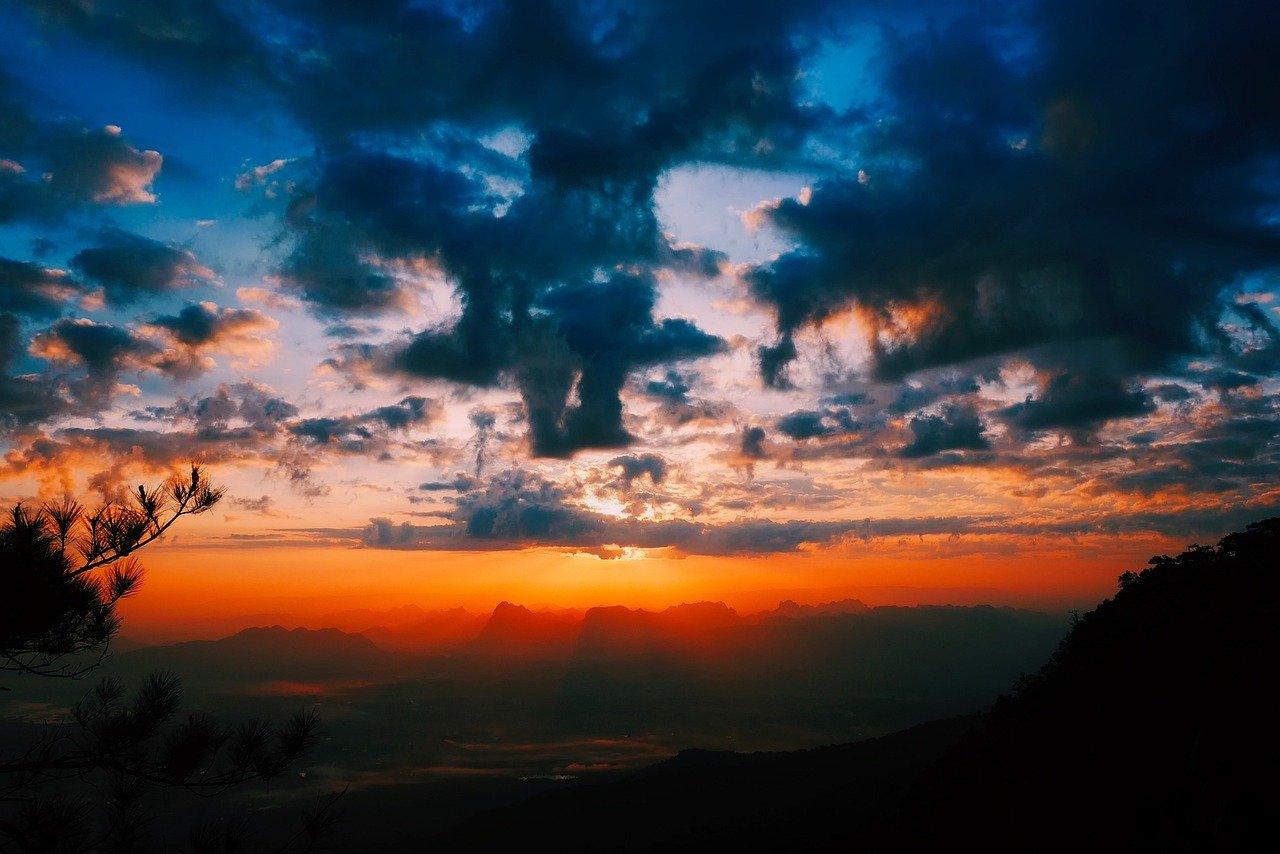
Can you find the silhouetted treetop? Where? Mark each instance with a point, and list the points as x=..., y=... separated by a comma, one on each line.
x=63, y=568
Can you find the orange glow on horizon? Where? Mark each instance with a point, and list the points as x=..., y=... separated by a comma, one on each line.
x=187, y=586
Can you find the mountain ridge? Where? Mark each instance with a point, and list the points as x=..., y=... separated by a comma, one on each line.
x=1147, y=729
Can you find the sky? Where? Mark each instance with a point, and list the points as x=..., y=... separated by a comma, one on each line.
x=644, y=302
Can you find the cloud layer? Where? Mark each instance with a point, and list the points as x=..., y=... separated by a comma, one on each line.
x=1020, y=279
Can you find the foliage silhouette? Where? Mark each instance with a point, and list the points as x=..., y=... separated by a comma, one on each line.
x=63, y=570
x=1150, y=728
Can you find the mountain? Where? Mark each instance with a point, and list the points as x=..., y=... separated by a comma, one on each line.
x=791, y=610
x=429, y=631
x=515, y=632
x=618, y=632
x=1150, y=728
x=266, y=653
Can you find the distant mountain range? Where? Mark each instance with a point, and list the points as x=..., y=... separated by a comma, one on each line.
x=1151, y=728
x=264, y=653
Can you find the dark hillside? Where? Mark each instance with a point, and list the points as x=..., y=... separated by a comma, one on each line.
x=1152, y=727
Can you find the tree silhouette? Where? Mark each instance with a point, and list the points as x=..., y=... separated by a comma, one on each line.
x=1150, y=728
x=63, y=570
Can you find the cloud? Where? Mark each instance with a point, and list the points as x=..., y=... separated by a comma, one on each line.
x=258, y=175
x=751, y=444
x=955, y=243
x=24, y=400
x=264, y=505
x=102, y=350
x=520, y=231
x=672, y=388
x=1077, y=402
x=603, y=331
x=206, y=324
x=201, y=41
x=102, y=167
x=367, y=432
x=955, y=428
x=130, y=267
x=811, y=424
x=460, y=483
x=49, y=170
x=637, y=465
x=1062, y=202
x=35, y=291
x=52, y=170
x=199, y=330
x=383, y=532
x=520, y=508
x=245, y=405
x=269, y=298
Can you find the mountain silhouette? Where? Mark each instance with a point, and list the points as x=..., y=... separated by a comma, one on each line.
x=792, y=610
x=618, y=632
x=428, y=631
x=513, y=632
x=266, y=652
x=1150, y=728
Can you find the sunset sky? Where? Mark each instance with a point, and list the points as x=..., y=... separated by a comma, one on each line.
x=601, y=301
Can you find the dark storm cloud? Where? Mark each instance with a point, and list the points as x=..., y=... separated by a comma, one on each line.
x=810, y=424
x=31, y=290
x=360, y=204
x=751, y=444
x=603, y=331
x=130, y=267
x=411, y=410
x=384, y=533
x=1107, y=187
x=1077, y=402
x=928, y=389
x=1171, y=392
x=366, y=433
x=197, y=331
x=205, y=323
x=955, y=428
x=606, y=98
x=100, y=347
x=1230, y=381
x=673, y=388
x=637, y=465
